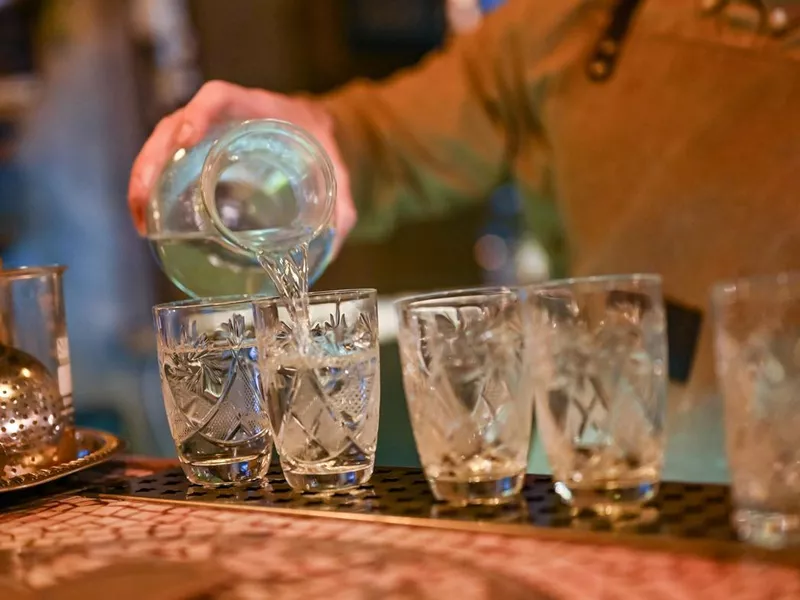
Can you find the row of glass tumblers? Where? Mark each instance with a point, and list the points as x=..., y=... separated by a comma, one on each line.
x=590, y=354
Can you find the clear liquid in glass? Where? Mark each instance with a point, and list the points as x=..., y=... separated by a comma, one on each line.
x=216, y=412
x=323, y=395
x=203, y=265
x=324, y=410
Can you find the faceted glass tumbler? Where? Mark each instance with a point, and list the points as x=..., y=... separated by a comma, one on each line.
x=757, y=347
x=212, y=389
x=600, y=381
x=322, y=387
x=465, y=376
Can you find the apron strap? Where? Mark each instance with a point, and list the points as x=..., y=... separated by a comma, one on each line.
x=604, y=57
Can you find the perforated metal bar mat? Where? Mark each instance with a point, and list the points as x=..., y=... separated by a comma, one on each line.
x=681, y=510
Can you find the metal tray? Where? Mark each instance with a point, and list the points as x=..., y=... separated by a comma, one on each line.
x=680, y=511
x=94, y=448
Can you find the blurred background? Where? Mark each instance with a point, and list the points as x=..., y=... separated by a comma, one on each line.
x=83, y=82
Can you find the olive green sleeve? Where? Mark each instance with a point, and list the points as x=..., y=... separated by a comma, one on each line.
x=446, y=132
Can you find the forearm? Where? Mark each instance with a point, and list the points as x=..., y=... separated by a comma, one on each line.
x=444, y=133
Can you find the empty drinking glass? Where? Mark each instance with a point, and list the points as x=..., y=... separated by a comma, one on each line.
x=323, y=387
x=212, y=389
x=600, y=363
x=469, y=397
x=757, y=339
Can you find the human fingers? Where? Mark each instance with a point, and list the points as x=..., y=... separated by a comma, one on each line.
x=153, y=155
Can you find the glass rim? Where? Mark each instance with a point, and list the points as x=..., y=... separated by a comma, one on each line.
x=648, y=278
x=32, y=272
x=323, y=297
x=408, y=302
x=235, y=132
x=207, y=301
x=733, y=288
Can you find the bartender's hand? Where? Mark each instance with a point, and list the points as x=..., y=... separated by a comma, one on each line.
x=218, y=101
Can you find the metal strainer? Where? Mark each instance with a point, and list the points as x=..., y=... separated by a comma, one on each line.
x=32, y=432
x=36, y=417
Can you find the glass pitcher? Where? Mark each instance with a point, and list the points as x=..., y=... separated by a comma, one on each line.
x=255, y=186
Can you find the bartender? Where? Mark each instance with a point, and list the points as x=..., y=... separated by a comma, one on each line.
x=652, y=135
